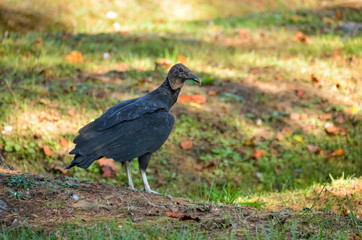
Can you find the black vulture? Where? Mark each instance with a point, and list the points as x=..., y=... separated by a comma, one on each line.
x=135, y=128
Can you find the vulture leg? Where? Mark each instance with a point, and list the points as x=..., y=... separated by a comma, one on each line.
x=143, y=164
x=127, y=165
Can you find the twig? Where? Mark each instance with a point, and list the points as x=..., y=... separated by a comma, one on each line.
x=12, y=92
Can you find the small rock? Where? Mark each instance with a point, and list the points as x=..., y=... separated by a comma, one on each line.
x=75, y=197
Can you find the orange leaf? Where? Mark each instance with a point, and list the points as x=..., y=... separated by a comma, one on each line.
x=315, y=78
x=181, y=59
x=259, y=153
x=212, y=93
x=74, y=57
x=184, y=98
x=331, y=128
x=47, y=151
x=64, y=142
x=199, y=99
x=299, y=36
x=187, y=144
x=108, y=166
x=338, y=152
x=173, y=214
x=325, y=116
x=254, y=201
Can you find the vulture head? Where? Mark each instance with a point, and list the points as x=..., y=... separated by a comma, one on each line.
x=178, y=74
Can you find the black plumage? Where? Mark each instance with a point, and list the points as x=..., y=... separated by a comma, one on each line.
x=135, y=128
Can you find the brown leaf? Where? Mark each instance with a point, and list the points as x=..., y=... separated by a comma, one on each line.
x=259, y=153
x=184, y=98
x=74, y=57
x=64, y=142
x=299, y=92
x=338, y=152
x=286, y=130
x=340, y=119
x=199, y=99
x=326, y=116
x=313, y=149
x=47, y=151
x=174, y=214
x=331, y=128
x=274, y=151
x=186, y=144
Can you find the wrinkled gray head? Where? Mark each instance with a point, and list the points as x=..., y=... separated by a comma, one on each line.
x=178, y=74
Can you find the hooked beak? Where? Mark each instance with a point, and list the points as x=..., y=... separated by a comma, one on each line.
x=194, y=78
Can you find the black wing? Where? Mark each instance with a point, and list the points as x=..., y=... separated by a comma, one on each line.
x=123, y=141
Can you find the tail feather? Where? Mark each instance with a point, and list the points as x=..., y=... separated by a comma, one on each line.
x=83, y=161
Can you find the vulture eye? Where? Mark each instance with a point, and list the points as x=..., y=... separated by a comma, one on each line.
x=180, y=69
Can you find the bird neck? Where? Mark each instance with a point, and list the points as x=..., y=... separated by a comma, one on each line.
x=167, y=94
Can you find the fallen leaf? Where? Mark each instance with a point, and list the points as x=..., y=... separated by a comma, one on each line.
x=186, y=144
x=299, y=138
x=315, y=78
x=326, y=116
x=299, y=92
x=340, y=119
x=338, y=152
x=313, y=149
x=259, y=153
x=243, y=33
x=58, y=169
x=108, y=166
x=199, y=99
x=195, y=105
x=173, y=214
x=273, y=151
x=184, y=98
x=331, y=128
x=74, y=57
x=249, y=142
x=47, y=150
x=286, y=130
x=294, y=116
x=344, y=212
x=279, y=136
x=354, y=109
x=301, y=37
x=163, y=63
x=181, y=59
x=254, y=201
x=64, y=142
x=212, y=93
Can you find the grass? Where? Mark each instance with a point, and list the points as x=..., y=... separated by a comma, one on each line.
x=44, y=98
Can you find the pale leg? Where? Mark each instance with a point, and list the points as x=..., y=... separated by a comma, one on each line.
x=145, y=182
x=129, y=174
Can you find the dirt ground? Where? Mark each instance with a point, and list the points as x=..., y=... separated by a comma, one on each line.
x=34, y=200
